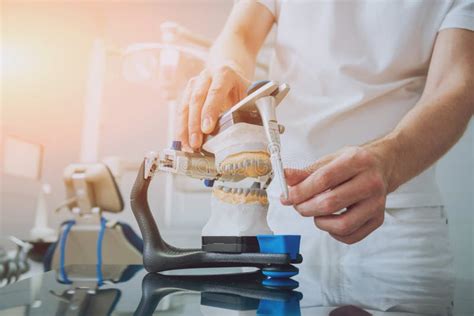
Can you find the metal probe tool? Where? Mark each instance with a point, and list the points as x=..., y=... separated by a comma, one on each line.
x=266, y=107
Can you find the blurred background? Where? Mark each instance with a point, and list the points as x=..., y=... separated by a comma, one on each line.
x=76, y=86
x=69, y=87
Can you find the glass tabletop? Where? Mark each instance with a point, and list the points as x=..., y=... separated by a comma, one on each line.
x=317, y=290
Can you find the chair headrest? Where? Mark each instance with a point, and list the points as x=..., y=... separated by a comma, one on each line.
x=92, y=185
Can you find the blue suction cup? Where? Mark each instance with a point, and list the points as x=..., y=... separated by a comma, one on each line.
x=276, y=271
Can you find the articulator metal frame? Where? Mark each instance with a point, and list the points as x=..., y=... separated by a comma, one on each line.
x=158, y=255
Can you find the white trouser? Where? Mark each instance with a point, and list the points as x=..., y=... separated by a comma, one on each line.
x=400, y=261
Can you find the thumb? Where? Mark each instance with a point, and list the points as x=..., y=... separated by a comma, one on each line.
x=215, y=104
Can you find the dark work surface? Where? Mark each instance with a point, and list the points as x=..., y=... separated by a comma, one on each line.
x=322, y=290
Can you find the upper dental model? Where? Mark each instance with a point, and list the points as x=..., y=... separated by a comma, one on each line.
x=246, y=164
x=240, y=152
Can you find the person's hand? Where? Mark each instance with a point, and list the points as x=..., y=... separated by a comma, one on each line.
x=355, y=179
x=206, y=97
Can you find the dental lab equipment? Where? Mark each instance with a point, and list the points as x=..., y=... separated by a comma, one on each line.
x=13, y=265
x=245, y=144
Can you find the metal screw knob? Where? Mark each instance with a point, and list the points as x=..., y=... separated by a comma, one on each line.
x=281, y=129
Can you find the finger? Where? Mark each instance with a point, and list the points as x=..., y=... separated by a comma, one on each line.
x=198, y=96
x=182, y=117
x=354, y=218
x=295, y=176
x=348, y=193
x=183, y=133
x=216, y=100
x=362, y=232
x=335, y=172
x=321, y=162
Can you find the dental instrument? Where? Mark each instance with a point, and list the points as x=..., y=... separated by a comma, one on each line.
x=245, y=144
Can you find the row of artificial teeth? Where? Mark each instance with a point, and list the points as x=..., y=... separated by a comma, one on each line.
x=243, y=165
x=242, y=191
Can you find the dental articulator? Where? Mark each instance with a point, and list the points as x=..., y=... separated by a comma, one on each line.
x=244, y=149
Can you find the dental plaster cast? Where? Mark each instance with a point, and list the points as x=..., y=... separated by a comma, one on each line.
x=248, y=164
x=237, y=212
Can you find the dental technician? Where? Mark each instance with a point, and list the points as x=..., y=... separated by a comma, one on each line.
x=380, y=90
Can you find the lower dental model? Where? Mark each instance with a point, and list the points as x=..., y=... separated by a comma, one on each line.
x=237, y=212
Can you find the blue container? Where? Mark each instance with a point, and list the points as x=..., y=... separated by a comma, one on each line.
x=289, y=244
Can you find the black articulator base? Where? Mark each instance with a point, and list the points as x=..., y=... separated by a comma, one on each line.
x=158, y=255
x=230, y=244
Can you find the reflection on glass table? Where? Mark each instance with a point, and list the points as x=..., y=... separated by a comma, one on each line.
x=322, y=290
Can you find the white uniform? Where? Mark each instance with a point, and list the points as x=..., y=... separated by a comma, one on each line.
x=355, y=69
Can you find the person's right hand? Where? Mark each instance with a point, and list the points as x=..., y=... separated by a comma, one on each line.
x=206, y=97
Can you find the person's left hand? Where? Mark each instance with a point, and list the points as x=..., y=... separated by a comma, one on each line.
x=355, y=179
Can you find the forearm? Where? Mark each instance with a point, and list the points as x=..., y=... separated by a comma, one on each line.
x=440, y=117
x=230, y=49
x=358, y=179
x=424, y=135
x=240, y=40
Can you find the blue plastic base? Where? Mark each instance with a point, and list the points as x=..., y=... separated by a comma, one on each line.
x=289, y=244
